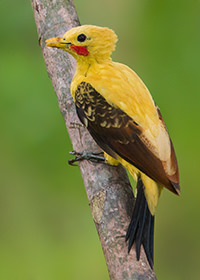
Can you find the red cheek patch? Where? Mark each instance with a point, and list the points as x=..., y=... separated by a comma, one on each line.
x=80, y=50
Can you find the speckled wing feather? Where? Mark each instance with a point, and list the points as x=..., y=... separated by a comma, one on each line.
x=119, y=135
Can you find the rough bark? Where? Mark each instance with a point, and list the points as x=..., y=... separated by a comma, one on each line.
x=109, y=192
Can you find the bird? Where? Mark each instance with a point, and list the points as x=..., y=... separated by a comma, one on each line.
x=116, y=107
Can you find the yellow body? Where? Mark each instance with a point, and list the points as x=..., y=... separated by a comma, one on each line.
x=122, y=88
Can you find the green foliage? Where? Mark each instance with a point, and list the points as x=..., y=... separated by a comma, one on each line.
x=47, y=230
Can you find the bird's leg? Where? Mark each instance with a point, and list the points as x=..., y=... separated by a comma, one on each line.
x=93, y=157
x=76, y=125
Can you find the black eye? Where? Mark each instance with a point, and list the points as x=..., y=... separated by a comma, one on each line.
x=81, y=38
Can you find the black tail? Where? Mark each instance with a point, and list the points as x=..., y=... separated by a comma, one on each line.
x=141, y=227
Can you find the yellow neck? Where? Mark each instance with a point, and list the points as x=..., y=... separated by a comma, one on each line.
x=82, y=67
x=84, y=64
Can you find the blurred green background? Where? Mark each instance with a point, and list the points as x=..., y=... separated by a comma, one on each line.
x=46, y=229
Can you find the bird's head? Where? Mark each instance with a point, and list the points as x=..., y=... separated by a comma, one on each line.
x=86, y=42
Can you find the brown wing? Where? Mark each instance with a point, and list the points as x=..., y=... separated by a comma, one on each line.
x=117, y=134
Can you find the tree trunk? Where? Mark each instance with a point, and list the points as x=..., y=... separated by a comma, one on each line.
x=109, y=192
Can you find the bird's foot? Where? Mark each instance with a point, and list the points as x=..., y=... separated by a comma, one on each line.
x=93, y=157
x=76, y=125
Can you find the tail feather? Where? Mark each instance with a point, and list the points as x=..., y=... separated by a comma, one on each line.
x=141, y=227
x=148, y=237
